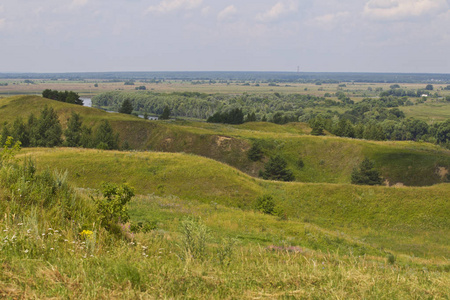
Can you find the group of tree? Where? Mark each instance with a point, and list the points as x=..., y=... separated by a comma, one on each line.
x=66, y=96
x=202, y=106
x=46, y=131
x=233, y=116
x=372, y=118
x=399, y=129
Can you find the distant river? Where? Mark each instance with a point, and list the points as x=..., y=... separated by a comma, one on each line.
x=88, y=103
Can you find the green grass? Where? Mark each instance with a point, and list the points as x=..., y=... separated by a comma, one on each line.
x=429, y=112
x=330, y=240
x=327, y=159
x=416, y=219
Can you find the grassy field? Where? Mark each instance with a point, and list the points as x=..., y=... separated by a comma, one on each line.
x=207, y=241
x=370, y=213
x=429, y=112
x=356, y=91
x=205, y=237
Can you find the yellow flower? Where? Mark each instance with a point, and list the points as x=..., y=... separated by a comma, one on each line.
x=86, y=234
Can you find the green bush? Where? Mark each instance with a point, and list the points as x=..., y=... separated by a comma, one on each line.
x=112, y=207
x=265, y=204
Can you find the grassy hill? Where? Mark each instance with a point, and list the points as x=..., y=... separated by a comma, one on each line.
x=410, y=220
x=206, y=239
x=326, y=159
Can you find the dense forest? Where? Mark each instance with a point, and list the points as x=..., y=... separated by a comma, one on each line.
x=378, y=118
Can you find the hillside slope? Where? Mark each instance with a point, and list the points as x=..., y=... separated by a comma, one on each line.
x=410, y=220
x=326, y=159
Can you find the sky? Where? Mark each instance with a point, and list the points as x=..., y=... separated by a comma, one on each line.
x=404, y=36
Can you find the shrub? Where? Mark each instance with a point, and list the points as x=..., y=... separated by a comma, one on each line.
x=391, y=258
x=112, y=207
x=265, y=204
x=300, y=163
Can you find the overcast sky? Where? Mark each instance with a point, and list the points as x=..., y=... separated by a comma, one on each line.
x=225, y=35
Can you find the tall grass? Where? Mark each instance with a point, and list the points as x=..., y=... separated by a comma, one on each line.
x=50, y=247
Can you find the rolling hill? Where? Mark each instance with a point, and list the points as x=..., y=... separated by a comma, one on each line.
x=326, y=159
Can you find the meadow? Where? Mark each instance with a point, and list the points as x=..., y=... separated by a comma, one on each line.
x=202, y=240
x=196, y=229
x=327, y=159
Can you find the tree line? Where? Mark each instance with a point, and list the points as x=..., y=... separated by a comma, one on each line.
x=202, y=106
x=45, y=130
x=66, y=96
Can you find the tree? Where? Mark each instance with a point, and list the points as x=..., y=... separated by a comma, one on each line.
x=69, y=97
x=317, y=127
x=127, y=107
x=275, y=169
x=73, y=131
x=366, y=174
x=255, y=153
x=251, y=117
x=48, y=129
x=166, y=113
x=105, y=137
x=429, y=87
x=20, y=132
x=5, y=133
x=443, y=132
x=86, y=138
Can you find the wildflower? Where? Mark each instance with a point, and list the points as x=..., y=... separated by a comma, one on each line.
x=43, y=234
x=52, y=249
x=26, y=250
x=19, y=224
x=86, y=234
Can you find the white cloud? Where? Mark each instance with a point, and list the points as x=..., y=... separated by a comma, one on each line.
x=77, y=3
x=206, y=10
x=331, y=18
x=166, y=6
x=279, y=9
x=226, y=13
x=403, y=9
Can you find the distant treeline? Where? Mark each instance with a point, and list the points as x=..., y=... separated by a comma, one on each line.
x=66, y=96
x=260, y=76
x=372, y=118
x=380, y=119
x=202, y=106
x=46, y=131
